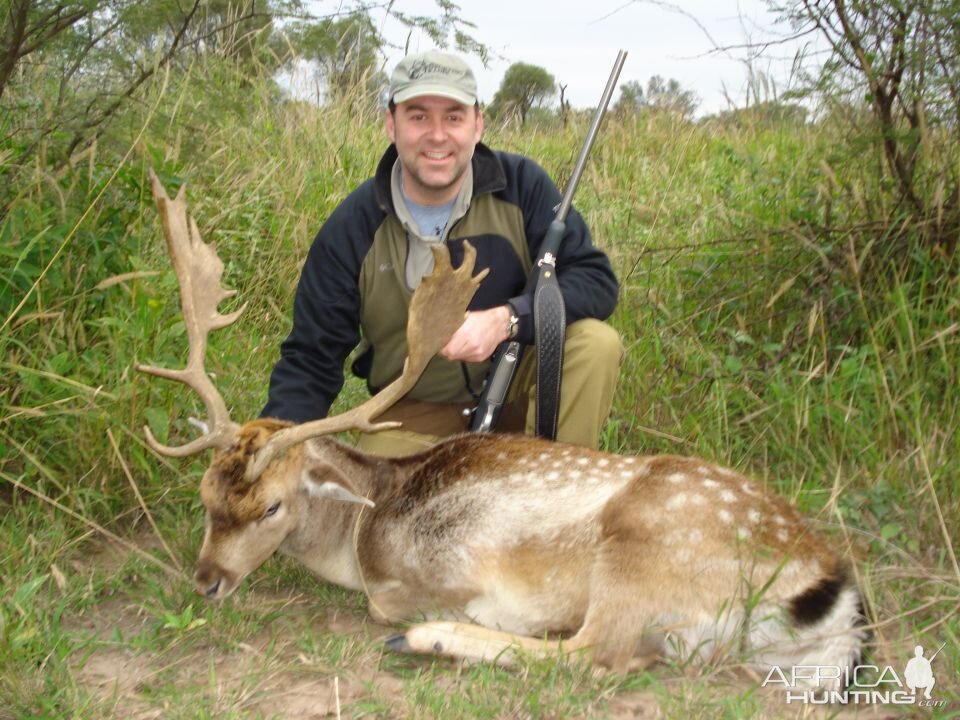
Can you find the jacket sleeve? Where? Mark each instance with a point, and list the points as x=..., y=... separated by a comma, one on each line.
x=587, y=281
x=326, y=319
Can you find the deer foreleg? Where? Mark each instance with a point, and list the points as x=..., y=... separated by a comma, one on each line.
x=474, y=643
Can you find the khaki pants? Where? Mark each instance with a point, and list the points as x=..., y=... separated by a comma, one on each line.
x=592, y=357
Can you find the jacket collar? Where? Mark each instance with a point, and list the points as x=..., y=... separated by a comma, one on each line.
x=488, y=175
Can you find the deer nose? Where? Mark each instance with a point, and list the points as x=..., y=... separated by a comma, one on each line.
x=209, y=579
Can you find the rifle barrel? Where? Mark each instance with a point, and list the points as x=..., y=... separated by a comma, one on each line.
x=591, y=136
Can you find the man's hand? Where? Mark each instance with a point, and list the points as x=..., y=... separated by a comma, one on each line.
x=478, y=337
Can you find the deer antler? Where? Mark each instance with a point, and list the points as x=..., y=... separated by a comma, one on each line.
x=436, y=311
x=198, y=271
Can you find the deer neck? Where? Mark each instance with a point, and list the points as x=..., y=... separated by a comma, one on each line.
x=323, y=539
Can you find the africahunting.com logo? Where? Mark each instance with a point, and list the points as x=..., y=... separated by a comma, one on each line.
x=865, y=684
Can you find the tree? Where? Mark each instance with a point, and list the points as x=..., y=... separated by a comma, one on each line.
x=523, y=88
x=347, y=54
x=669, y=96
x=32, y=24
x=903, y=60
x=660, y=96
x=631, y=100
x=68, y=67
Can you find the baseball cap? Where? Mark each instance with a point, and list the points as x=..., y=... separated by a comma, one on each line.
x=433, y=73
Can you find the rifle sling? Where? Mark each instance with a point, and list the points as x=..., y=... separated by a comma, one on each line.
x=550, y=327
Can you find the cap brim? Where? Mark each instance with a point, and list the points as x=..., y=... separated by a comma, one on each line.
x=444, y=91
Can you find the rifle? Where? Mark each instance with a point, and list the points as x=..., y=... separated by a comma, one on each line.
x=549, y=313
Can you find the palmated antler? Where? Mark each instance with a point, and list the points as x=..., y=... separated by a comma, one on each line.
x=198, y=271
x=436, y=311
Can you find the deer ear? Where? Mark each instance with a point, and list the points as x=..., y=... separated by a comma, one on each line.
x=330, y=483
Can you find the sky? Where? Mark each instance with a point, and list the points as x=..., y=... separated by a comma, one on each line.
x=577, y=42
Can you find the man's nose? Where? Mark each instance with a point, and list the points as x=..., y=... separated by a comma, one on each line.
x=437, y=130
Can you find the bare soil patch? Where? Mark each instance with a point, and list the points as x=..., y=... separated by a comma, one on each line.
x=317, y=662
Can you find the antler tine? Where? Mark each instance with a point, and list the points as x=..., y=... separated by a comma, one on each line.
x=198, y=270
x=436, y=311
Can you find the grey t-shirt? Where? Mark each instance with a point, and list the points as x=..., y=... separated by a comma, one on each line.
x=431, y=219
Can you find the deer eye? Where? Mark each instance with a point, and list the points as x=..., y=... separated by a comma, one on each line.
x=272, y=510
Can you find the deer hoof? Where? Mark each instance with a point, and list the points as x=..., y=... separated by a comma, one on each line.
x=398, y=643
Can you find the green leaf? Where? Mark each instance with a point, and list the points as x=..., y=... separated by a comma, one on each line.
x=25, y=592
x=890, y=530
x=158, y=421
x=733, y=364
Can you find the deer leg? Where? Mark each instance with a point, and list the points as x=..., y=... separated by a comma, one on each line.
x=616, y=631
x=391, y=603
x=473, y=643
x=613, y=631
x=611, y=635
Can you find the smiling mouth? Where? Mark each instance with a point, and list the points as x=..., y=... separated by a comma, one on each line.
x=437, y=155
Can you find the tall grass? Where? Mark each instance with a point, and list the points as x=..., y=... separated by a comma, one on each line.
x=754, y=337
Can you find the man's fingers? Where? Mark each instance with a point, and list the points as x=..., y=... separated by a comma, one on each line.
x=476, y=339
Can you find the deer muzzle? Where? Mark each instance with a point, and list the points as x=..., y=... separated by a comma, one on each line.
x=212, y=581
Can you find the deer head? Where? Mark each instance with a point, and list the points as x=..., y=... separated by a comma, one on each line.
x=255, y=472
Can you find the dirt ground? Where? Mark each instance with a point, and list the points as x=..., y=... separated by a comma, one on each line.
x=268, y=673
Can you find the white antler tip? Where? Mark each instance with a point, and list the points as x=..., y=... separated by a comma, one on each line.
x=381, y=426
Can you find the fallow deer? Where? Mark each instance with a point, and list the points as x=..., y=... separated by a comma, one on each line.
x=505, y=543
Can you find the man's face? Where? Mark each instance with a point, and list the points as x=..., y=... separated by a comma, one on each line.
x=435, y=138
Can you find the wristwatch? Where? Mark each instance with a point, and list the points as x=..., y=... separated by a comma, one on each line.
x=513, y=326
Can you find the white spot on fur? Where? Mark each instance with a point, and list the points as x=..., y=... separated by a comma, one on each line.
x=743, y=533
x=626, y=474
x=543, y=456
x=553, y=475
x=754, y=516
x=603, y=462
x=575, y=474
x=726, y=516
x=677, y=501
x=728, y=496
x=783, y=536
x=697, y=499
x=780, y=520
x=501, y=456
x=748, y=489
x=695, y=536
x=710, y=483
x=677, y=478
x=629, y=460
x=582, y=461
